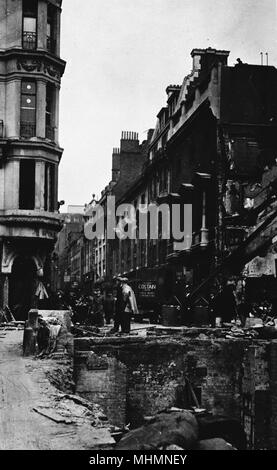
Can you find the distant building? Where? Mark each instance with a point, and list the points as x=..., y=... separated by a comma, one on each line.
x=127, y=164
x=75, y=209
x=31, y=71
x=67, y=255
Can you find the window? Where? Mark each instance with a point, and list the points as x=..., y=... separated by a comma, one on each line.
x=29, y=40
x=28, y=109
x=49, y=119
x=27, y=184
x=51, y=19
x=49, y=187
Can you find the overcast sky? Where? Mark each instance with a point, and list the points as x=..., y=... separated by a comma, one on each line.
x=122, y=54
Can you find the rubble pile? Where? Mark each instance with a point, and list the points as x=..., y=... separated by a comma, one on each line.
x=61, y=377
x=12, y=325
x=254, y=329
x=81, y=331
x=75, y=417
x=72, y=409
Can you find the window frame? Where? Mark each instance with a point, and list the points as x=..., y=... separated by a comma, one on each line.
x=28, y=122
x=29, y=14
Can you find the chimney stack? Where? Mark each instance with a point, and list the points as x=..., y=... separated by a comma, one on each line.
x=129, y=142
x=115, y=164
x=203, y=59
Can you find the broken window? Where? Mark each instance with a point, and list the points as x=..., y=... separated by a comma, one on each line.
x=27, y=185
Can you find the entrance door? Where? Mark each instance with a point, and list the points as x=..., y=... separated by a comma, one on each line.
x=22, y=287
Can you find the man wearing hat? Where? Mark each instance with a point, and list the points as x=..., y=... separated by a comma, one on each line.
x=130, y=305
x=125, y=305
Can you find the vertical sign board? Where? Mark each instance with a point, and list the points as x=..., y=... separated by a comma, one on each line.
x=147, y=289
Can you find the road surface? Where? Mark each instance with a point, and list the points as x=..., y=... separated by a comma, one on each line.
x=23, y=386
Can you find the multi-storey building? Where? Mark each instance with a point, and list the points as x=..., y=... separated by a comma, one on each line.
x=30, y=77
x=127, y=164
x=214, y=151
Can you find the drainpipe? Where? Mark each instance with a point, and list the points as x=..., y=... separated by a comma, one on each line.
x=221, y=157
x=204, y=231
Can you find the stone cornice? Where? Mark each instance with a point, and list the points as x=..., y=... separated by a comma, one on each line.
x=21, y=144
x=30, y=218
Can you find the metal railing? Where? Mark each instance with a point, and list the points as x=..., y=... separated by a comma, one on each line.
x=27, y=129
x=50, y=133
x=29, y=40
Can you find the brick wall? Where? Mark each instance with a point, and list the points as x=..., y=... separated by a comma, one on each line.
x=140, y=377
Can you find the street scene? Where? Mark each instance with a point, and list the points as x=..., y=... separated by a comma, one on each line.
x=138, y=264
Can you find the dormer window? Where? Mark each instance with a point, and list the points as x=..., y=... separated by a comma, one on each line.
x=29, y=39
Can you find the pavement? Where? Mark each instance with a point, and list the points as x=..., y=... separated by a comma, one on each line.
x=25, y=388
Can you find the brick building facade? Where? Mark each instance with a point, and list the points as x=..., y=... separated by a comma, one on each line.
x=127, y=165
x=214, y=150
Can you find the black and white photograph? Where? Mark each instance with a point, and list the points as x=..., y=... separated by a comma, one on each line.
x=138, y=230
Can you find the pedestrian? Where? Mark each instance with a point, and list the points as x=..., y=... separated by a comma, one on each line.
x=212, y=310
x=129, y=305
x=226, y=306
x=96, y=317
x=119, y=305
x=108, y=307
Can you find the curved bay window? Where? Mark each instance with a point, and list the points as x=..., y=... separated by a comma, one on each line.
x=28, y=109
x=29, y=34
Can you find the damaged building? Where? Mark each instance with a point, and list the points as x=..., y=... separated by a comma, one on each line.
x=213, y=149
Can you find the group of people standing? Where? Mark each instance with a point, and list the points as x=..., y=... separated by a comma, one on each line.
x=100, y=308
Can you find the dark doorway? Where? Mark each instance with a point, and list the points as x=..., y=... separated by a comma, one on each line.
x=21, y=287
